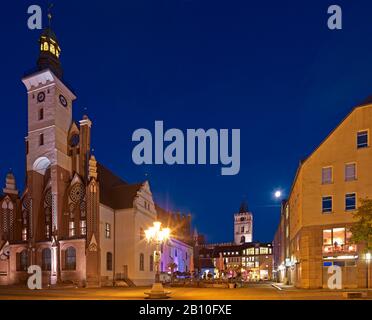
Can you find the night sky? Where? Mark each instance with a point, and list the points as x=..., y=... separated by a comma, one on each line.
x=270, y=68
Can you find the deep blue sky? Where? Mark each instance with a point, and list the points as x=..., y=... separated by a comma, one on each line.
x=270, y=68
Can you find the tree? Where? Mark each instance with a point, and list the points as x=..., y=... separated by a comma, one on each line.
x=362, y=229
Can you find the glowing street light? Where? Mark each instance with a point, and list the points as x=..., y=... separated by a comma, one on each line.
x=157, y=236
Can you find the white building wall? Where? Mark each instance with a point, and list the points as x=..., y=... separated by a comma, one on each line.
x=107, y=244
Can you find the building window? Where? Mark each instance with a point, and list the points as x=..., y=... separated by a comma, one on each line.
x=327, y=204
x=175, y=252
x=264, y=250
x=242, y=230
x=109, y=261
x=350, y=201
x=362, y=139
x=337, y=240
x=70, y=259
x=108, y=231
x=46, y=258
x=327, y=175
x=350, y=172
x=71, y=229
x=142, y=262
x=24, y=234
x=83, y=227
x=151, y=263
x=41, y=139
x=41, y=114
x=23, y=261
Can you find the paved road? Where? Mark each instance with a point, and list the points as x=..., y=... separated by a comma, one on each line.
x=254, y=292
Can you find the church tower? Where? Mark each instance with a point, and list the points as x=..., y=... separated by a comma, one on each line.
x=49, y=122
x=243, y=225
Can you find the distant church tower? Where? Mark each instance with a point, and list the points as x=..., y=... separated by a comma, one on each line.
x=243, y=225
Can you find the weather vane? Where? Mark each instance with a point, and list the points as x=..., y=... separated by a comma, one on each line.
x=50, y=6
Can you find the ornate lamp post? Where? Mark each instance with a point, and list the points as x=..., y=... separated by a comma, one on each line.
x=157, y=235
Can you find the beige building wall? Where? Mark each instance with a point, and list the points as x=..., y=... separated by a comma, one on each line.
x=107, y=243
x=307, y=221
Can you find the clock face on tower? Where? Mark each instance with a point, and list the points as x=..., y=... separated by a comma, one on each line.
x=41, y=97
x=62, y=100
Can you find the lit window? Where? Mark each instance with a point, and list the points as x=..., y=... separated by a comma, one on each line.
x=71, y=229
x=327, y=175
x=46, y=46
x=350, y=172
x=264, y=250
x=24, y=234
x=350, y=201
x=326, y=204
x=107, y=231
x=83, y=227
x=52, y=49
x=362, y=139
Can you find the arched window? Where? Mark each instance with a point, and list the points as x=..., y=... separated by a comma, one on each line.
x=22, y=261
x=142, y=262
x=70, y=258
x=242, y=240
x=52, y=49
x=46, y=259
x=109, y=261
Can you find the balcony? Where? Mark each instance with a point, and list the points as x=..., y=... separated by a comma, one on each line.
x=340, y=249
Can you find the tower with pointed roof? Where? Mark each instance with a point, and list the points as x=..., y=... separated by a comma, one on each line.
x=243, y=225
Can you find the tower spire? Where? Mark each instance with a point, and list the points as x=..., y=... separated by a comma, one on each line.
x=49, y=49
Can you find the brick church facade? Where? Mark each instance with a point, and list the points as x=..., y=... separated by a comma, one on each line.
x=75, y=219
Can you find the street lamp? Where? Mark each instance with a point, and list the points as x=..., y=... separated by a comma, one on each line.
x=368, y=260
x=157, y=235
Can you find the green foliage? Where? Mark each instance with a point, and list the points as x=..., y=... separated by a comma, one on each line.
x=362, y=229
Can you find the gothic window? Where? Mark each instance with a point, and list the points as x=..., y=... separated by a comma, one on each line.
x=22, y=264
x=74, y=141
x=77, y=193
x=52, y=49
x=71, y=229
x=108, y=231
x=109, y=261
x=70, y=259
x=83, y=209
x=83, y=227
x=48, y=213
x=46, y=259
x=24, y=234
x=7, y=214
x=142, y=262
x=46, y=46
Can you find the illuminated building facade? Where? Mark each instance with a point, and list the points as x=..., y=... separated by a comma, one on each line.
x=252, y=260
x=314, y=230
x=75, y=219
